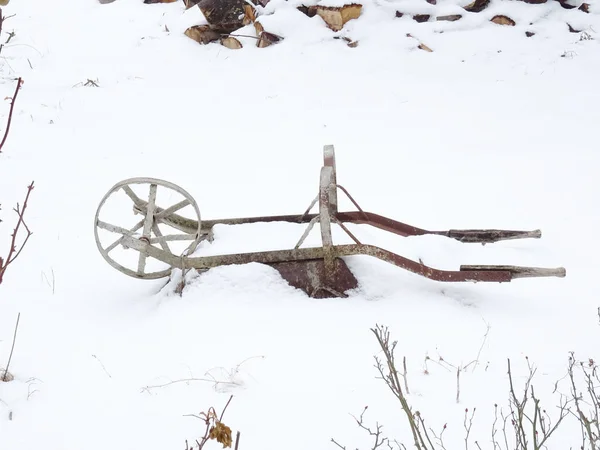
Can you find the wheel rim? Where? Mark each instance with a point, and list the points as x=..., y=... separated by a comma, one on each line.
x=149, y=227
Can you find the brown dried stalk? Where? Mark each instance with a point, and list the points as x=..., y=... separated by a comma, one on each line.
x=16, y=249
x=10, y=113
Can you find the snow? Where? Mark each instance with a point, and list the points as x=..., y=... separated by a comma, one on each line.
x=492, y=129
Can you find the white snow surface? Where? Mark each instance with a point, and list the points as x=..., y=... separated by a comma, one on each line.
x=491, y=130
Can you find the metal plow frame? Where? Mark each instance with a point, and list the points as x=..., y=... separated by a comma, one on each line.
x=318, y=271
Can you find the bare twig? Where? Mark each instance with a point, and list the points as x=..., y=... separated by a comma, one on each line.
x=10, y=113
x=467, y=424
x=389, y=374
x=405, y=376
x=15, y=251
x=183, y=380
x=4, y=377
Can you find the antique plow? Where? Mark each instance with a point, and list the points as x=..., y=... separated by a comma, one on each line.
x=318, y=271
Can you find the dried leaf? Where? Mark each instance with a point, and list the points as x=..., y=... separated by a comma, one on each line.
x=222, y=434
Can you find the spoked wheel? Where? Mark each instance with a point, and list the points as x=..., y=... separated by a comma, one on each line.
x=174, y=229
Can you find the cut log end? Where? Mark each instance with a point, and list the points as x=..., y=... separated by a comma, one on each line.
x=477, y=6
x=231, y=43
x=503, y=20
x=203, y=34
x=336, y=17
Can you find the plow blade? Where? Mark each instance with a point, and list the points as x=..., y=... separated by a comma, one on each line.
x=309, y=276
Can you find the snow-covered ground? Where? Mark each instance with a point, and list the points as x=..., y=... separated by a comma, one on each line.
x=492, y=129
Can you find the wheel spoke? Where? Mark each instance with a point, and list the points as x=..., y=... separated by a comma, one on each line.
x=128, y=233
x=160, y=238
x=171, y=209
x=115, y=229
x=136, y=200
x=148, y=222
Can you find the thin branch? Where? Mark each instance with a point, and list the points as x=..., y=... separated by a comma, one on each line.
x=184, y=380
x=10, y=113
x=14, y=252
x=4, y=377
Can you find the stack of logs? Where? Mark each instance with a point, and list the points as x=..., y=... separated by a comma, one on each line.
x=224, y=17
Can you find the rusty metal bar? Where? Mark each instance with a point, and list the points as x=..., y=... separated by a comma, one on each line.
x=465, y=274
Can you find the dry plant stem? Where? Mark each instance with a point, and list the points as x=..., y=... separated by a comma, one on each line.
x=14, y=252
x=405, y=376
x=392, y=381
x=468, y=425
x=4, y=377
x=590, y=426
x=237, y=440
x=184, y=380
x=10, y=113
x=541, y=426
x=457, y=385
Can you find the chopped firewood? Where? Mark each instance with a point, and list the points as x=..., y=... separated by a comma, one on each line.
x=421, y=17
x=258, y=27
x=336, y=17
x=585, y=7
x=189, y=3
x=265, y=39
x=503, y=20
x=477, y=6
x=227, y=15
x=249, y=15
x=231, y=42
x=573, y=30
x=529, y=33
x=310, y=11
x=149, y=2
x=565, y=4
x=203, y=34
x=399, y=14
x=450, y=18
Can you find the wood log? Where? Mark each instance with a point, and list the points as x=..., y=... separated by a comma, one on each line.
x=310, y=11
x=203, y=34
x=421, y=18
x=189, y=3
x=226, y=15
x=585, y=7
x=336, y=17
x=477, y=6
x=265, y=39
x=450, y=18
x=503, y=20
x=231, y=43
